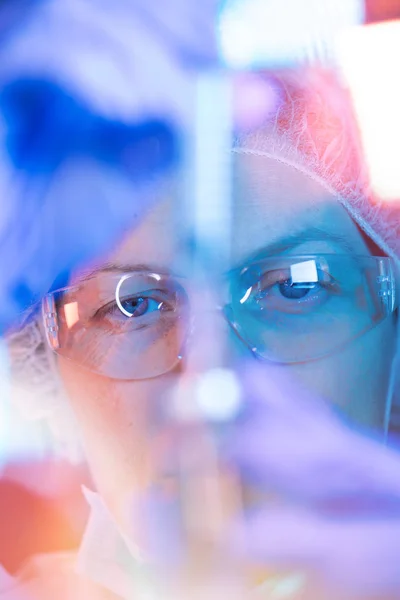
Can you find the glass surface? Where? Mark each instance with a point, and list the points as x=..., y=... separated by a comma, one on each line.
x=285, y=309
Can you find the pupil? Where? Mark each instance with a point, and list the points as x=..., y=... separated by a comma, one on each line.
x=288, y=290
x=136, y=306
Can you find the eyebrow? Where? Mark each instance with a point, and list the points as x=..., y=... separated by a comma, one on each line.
x=311, y=234
x=280, y=246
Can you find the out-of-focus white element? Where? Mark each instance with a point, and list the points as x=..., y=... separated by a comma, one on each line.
x=4, y=401
x=218, y=394
x=369, y=59
x=214, y=395
x=20, y=440
x=304, y=272
x=267, y=33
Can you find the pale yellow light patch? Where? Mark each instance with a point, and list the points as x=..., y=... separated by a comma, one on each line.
x=71, y=313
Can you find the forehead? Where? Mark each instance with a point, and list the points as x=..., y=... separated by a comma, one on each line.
x=271, y=202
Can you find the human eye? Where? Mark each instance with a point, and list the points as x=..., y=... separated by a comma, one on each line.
x=138, y=306
x=139, y=309
x=287, y=289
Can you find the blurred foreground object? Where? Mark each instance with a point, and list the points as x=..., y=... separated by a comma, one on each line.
x=270, y=34
x=319, y=513
x=339, y=514
x=87, y=129
x=369, y=58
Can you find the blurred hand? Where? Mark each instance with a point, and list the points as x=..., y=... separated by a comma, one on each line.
x=323, y=520
x=338, y=510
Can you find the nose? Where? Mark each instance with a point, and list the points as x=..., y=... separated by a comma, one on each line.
x=207, y=369
x=212, y=342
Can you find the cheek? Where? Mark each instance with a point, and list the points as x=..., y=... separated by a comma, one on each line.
x=357, y=378
x=118, y=424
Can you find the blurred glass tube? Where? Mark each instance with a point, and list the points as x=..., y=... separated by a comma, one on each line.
x=208, y=195
x=205, y=218
x=210, y=166
x=284, y=33
x=369, y=59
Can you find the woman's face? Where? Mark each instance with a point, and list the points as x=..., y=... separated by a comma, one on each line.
x=276, y=209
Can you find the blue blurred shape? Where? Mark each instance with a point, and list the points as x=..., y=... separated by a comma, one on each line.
x=79, y=181
x=45, y=125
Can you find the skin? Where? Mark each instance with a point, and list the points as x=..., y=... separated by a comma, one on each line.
x=120, y=420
